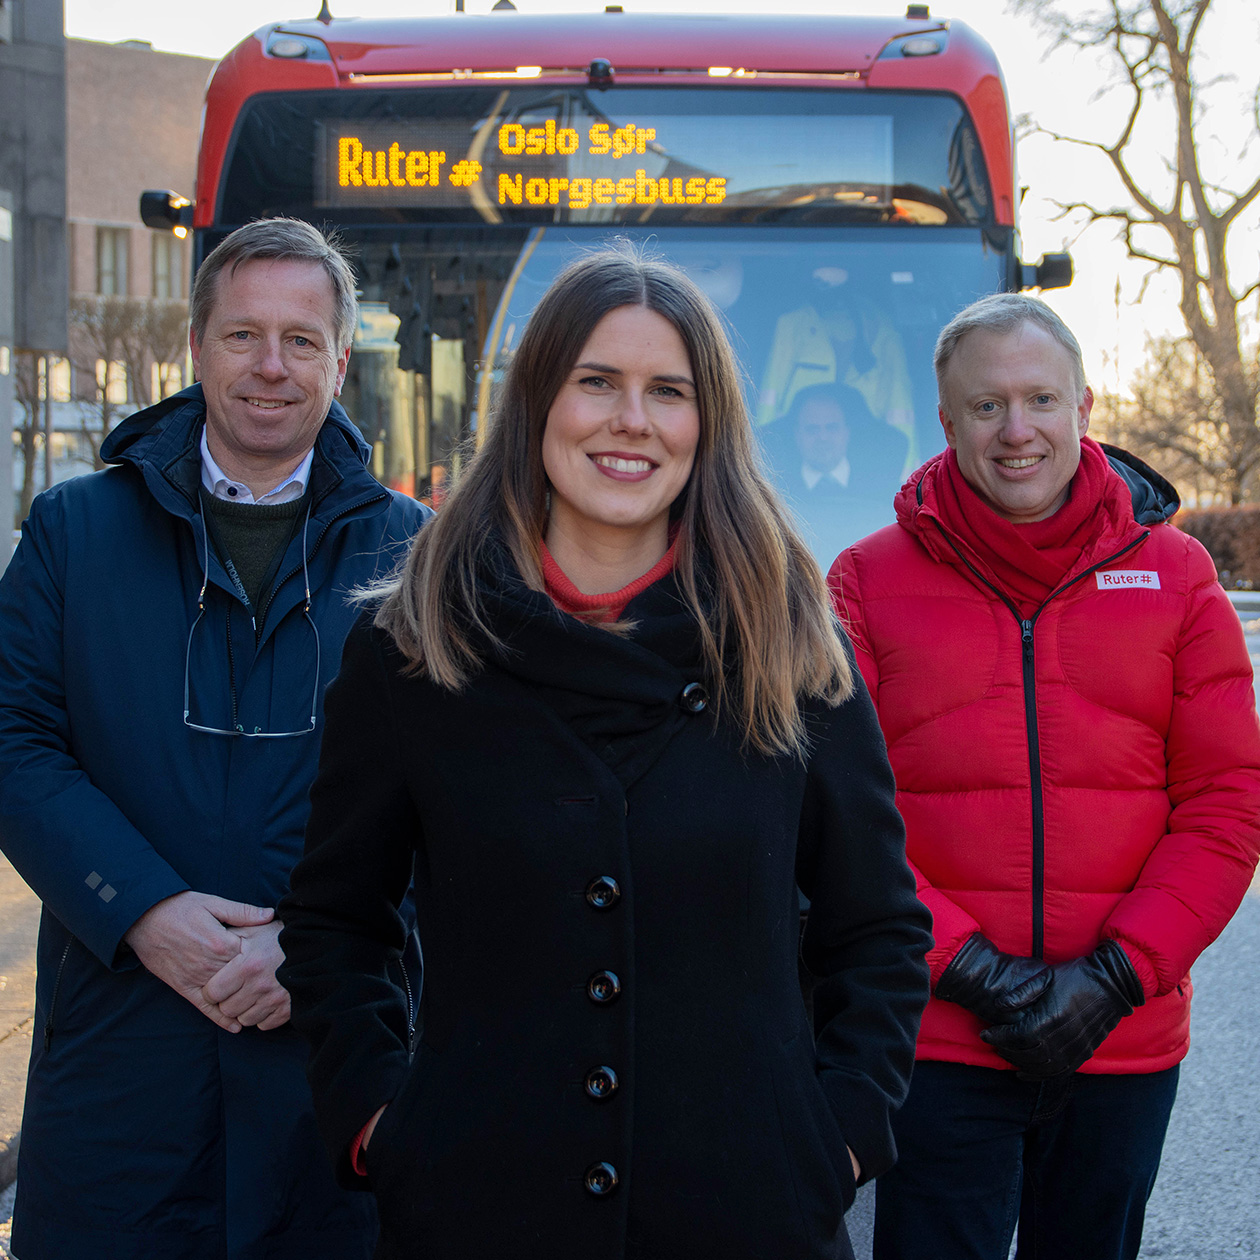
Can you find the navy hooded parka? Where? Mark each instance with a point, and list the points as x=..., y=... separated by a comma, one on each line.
x=148, y=1130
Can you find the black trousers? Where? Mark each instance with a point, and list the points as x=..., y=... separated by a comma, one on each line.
x=1072, y=1160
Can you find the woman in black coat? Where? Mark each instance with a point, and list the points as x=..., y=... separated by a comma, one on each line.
x=607, y=720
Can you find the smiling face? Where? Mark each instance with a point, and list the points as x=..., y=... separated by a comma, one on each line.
x=270, y=366
x=1012, y=413
x=621, y=438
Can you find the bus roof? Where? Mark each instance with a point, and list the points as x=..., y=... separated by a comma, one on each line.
x=631, y=42
x=842, y=52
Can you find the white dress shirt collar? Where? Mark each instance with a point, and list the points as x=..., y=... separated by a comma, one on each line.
x=219, y=484
x=811, y=476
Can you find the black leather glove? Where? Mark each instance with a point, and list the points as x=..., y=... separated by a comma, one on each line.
x=1088, y=998
x=993, y=985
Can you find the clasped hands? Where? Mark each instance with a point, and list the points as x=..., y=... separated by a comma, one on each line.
x=1044, y=1019
x=219, y=955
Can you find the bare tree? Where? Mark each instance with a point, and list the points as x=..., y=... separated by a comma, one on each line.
x=1176, y=418
x=128, y=335
x=27, y=369
x=1180, y=221
x=159, y=338
x=102, y=329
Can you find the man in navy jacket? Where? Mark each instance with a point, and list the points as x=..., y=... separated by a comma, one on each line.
x=167, y=628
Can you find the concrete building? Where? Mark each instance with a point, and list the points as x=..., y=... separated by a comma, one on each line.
x=33, y=263
x=6, y=376
x=132, y=121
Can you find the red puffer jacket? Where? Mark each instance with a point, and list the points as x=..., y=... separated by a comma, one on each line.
x=1092, y=771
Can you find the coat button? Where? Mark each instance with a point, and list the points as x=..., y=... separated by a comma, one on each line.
x=603, y=893
x=603, y=987
x=601, y=1179
x=602, y=1083
x=694, y=698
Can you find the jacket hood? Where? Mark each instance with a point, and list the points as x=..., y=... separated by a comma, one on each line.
x=1153, y=499
x=135, y=440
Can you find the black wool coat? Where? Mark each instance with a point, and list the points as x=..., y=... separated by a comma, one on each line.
x=614, y=1058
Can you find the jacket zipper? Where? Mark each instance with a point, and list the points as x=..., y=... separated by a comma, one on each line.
x=1026, y=627
x=235, y=725
x=52, y=1002
x=1034, y=778
x=411, y=1012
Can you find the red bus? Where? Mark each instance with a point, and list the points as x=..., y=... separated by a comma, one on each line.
x=840, y=186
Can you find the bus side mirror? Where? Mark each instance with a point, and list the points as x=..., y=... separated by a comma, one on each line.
x=166, y=211
x=1054, y=271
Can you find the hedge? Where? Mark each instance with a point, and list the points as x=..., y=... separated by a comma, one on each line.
x=1232, y=538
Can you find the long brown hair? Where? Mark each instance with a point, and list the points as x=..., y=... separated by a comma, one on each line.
x=759, y=601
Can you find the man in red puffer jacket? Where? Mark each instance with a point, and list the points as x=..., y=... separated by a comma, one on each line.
x=1067, y=700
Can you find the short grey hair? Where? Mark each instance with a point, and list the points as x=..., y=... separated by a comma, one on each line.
x=1004, y=313
x=281, y=240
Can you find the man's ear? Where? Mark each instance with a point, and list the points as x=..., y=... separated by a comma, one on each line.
x=343, y=362
x=195, y=351
x=1084, y=407
x=948, y=425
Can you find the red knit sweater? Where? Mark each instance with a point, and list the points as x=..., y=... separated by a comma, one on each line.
x=606, y=607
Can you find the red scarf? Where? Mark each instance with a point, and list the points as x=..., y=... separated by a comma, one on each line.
x=1027, y=562
x=597, y=608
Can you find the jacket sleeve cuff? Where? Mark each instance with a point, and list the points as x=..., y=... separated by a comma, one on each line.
x=1142, y=965
x=108, y=941
x=943, y=952
x=864, y=1117
x=353, y=1102
x=90, y=868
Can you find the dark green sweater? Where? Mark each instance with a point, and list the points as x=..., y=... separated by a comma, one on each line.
x=251, y=539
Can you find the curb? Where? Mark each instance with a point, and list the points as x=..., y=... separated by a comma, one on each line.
x=9, y=1160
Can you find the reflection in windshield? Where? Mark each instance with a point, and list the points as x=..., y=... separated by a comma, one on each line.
x=833, y=328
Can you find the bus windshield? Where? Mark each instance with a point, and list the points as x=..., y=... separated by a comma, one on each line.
x=840, y=316
x=835, y=230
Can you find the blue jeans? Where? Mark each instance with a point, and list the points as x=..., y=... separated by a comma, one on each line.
x=1072, y=1159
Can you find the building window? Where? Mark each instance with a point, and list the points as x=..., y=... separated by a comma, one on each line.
x=111, y=261
x=59, y=374
x=165, y=379
x=168, y=266
x=111, y=381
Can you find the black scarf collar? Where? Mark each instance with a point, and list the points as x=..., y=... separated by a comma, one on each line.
x=621, y=694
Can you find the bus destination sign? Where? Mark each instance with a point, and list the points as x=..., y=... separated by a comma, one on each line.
x=582, y=165
x=438, y=164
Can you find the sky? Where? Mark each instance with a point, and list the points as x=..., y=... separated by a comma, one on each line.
x=1059, y=91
